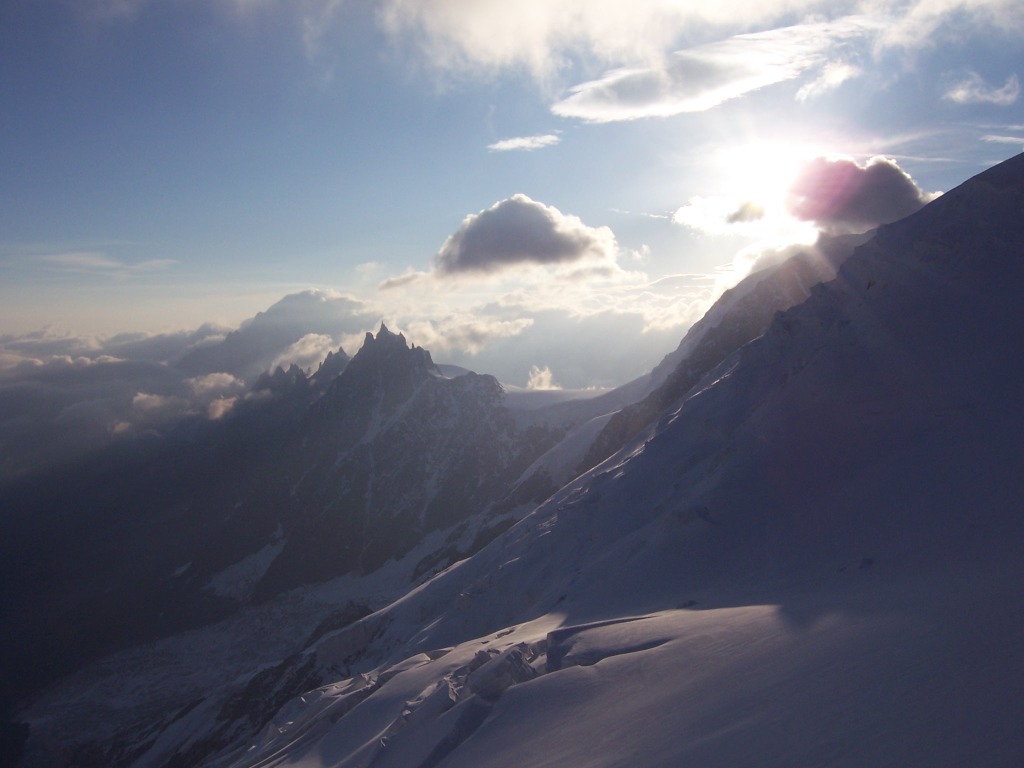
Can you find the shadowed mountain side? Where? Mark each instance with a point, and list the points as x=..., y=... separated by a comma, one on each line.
x=600, y=426
x=859, y=465
x=742, y=314
x=291, y=488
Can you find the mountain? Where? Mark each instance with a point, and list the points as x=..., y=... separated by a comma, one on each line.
x=811, y=558
x=307, y=480
x=803, y=551
x=606, y=423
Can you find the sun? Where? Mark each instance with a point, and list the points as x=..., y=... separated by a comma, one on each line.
x=748, y=193
x=762, y=172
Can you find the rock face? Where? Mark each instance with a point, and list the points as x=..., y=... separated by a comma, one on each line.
x=391, y=452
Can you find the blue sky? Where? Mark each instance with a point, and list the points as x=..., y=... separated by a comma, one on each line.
x=510, y=184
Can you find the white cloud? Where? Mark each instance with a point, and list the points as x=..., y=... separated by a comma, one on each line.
x=700, y=78
x=307, y=352
x=543, y=37
x=148, y=409
x=541, y=378
x=220, y=407
x=466, y=333
x=524, y=143
x=521, y=231
x=920, y=23
x=832, y=76
x=1015, y=140
x=203, y=386
x=992, y=139
x=99, y=263
x=972, y=89
x=407, y=277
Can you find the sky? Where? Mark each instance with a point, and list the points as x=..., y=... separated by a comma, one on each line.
x=548, y=191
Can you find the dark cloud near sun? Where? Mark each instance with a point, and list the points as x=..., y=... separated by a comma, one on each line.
x=839, y=195
x=519, y=231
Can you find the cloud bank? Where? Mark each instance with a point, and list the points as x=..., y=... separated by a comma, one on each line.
x=62, y=396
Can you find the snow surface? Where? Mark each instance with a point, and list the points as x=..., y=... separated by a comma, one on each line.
x=237, y=581
x=811, y=559
x=863, y=669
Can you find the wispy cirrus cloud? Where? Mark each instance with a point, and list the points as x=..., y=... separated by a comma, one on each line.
x=701, y=78
x=834, y=74
x=972, y=89
x=101, y=264
x=525, y=143
x=994, y=139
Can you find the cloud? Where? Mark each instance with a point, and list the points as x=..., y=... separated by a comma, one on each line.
x=972, y=89
x=992, y=139
x=467, y=333
x=98, y=263
x=214, y=383
x=63, y=396
x=747, y=211
x=700, y=78
x=264, y=341
x=519, y=231
x=538, y=36
x=307, y=352
x=839, y=195
x=832, y=76
x=220, y=407
x=541, y=378
x=406, y=278
x=580, y=342
x=921, y=23
x=719, y=216
x=525, y=143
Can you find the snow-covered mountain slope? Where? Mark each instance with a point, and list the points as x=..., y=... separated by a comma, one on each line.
x=811, y=559
x=808, y=557
x=599, y=427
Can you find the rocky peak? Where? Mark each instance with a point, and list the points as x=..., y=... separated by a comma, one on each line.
x=331, y=367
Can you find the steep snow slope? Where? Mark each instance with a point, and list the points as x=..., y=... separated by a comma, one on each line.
x=601, y=426
x=811, y=559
